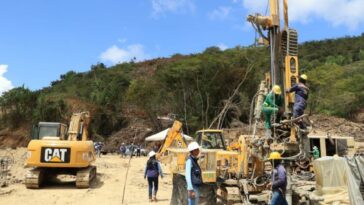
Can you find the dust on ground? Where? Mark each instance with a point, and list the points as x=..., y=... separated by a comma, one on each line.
x=107, y=188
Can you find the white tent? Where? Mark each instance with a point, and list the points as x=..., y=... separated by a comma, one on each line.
x=160, y=136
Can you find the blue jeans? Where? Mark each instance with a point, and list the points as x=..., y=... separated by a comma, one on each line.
x=194, y=201
x=298, y=110
x=152, y=182
x=278, y=198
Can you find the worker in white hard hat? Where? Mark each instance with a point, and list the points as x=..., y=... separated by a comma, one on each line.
x=152, y=172
x=301, y=96
x=273, y=104
x=193, y=174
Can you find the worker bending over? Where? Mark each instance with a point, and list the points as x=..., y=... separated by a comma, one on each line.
x=272, y=105
x=301, y=96
x=193, y=174
x=279, y=180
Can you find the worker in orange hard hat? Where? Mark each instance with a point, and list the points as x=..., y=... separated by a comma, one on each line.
x=301, y=96
x=273, y=105
x=279, y=180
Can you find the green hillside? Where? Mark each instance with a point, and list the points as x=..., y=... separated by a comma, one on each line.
x=194, y=87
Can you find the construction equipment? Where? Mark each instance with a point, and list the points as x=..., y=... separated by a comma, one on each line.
x=247, y=182
x=286, y=137
x=242, y=175
x=54, y=150
x=174, y=153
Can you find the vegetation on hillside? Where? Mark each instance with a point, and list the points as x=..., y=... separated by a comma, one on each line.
x=194, y=87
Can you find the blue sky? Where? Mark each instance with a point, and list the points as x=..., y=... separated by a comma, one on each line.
x=42, y=39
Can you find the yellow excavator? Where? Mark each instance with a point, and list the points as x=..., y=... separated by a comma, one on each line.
x=56, y=149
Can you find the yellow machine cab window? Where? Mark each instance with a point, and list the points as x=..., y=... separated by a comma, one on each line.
x=210, y=139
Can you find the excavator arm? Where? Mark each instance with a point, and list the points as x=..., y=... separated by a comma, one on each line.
x=78, y=129
x=174, y=139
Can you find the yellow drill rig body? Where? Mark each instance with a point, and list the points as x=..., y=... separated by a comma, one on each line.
x=56, y=149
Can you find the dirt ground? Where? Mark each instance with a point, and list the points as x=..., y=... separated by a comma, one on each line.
x=106, y=190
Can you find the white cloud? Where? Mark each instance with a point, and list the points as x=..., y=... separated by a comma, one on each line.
x=346, y=13
x=114, y=54
x=175, y=6
x=220, y=13
x=5, y=84
x=222, y=46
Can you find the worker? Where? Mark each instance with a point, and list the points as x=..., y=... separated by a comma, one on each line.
x=279, y=180
x=315, y=152
x=138, y=151
x=193, y=174
x=98, y=148
x=301, y=96
x=272, y=105
x=152, y=172
x=132, y=150
x=122, y=150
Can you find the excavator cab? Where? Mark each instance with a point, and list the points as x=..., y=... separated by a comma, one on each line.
x=210, y=139
x=49, y=129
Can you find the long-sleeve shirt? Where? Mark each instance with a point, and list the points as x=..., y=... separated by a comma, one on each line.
x=160, y=171
x=272, y=100
x=279, y=179
x=188, y=174
x=301, y=93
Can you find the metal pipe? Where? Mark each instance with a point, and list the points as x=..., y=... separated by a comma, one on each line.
x=289, y=187
x=285, y=14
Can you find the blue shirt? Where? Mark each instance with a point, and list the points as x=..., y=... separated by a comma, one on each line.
x=159, y=170
x=301, y=93
x=279, y=179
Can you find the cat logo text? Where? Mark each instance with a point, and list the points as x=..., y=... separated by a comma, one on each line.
x=55, y=155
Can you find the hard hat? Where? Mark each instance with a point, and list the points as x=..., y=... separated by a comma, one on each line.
x=303, y=76
x=275, y=155
x=277, y=90
x=314, y=147
x=151, y=154
x=192, y=146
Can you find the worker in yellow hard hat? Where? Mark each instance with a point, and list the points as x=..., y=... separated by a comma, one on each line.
x=279, y=180
x=301, y=96
x=273, y=105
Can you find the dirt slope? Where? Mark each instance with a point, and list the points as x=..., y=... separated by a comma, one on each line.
x=107, y=189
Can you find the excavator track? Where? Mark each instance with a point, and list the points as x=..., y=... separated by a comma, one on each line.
x=34, y=178
x=85, y=176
